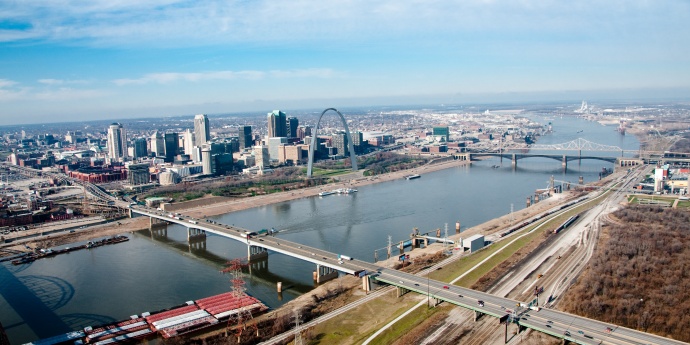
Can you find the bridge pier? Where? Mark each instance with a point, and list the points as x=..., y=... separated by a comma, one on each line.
x=156, y=223
x=324, y=274
x=366, y=283
x=477, y=315
x=255, y=252
x=564, y=163
x=196, y=239
x=195, y=234
x=513, y=161
x=400, y=291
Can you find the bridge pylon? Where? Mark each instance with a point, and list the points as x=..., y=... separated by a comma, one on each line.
x=255, y=253
x=324, y=274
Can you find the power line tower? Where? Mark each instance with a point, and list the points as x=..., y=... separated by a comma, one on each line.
x=298, y=330
x=243, y=317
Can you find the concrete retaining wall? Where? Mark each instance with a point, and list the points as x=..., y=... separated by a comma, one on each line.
x=194, y=203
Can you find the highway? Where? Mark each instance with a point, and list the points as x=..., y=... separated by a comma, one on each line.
x=559, y=324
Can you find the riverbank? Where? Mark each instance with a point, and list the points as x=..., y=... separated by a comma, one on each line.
x=351, y=180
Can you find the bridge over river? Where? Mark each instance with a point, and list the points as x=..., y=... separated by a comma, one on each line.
x=574, y=146
x=559, y=324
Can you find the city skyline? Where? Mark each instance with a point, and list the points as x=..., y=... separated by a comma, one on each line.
x=70, y=62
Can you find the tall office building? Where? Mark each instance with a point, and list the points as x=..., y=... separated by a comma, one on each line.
x=339, y=141
x=206, y=161
x=261, y=156
x=171, y=146
x=157, y=145
x=277, y=124
x=140, y=148
x=202, y=134
x=188, y=139
x=292, y=124
x=303, y=131
x=244, y=133
x=117, y=142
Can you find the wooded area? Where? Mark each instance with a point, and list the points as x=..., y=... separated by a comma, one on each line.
x=639, y=276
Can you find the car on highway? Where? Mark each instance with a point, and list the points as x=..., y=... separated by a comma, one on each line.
x=461, y=296
x=549, y=321
x=567, y=334
x=548, y=326
x=581, y=332
x=481, y=303
x=445, y=287
x=415, y=284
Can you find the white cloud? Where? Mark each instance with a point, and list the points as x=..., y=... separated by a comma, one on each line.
x=13, y=91
x=175, y=22
x=170, y=77
x=7, y=83
x=61, y=81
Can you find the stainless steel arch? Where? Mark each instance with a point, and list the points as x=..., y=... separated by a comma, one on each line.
x=350, y=146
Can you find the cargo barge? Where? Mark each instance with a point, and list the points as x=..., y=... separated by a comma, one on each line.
x=46, y=253
x=189, y=317
x=412, y=177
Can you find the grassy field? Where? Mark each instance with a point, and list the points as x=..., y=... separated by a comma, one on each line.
x=409, y=322
x=327, y=172
x=457, y=268
x=358, y=324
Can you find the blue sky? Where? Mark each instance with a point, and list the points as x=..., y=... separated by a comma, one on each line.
x=64, y=60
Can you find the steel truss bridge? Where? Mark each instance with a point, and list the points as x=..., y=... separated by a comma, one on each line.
x=575, y=146
x=579, y=145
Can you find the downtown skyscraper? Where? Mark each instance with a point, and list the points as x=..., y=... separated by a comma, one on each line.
x=202, y=133
x=117, y=142
x=277, y=124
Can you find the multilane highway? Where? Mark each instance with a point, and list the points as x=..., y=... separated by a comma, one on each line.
x=559, y=324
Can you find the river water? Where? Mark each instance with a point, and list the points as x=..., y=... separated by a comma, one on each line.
x=158, y=270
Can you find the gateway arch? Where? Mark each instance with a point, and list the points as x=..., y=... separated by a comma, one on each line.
x=350, y=146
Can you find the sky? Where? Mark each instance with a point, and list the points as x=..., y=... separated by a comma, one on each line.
x=73, y=60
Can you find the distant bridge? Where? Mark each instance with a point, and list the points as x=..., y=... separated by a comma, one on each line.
x=579, y=145
x=514, y=157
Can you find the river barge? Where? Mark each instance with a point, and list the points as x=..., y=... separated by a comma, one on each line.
x=46, y=253
x=188, y=317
